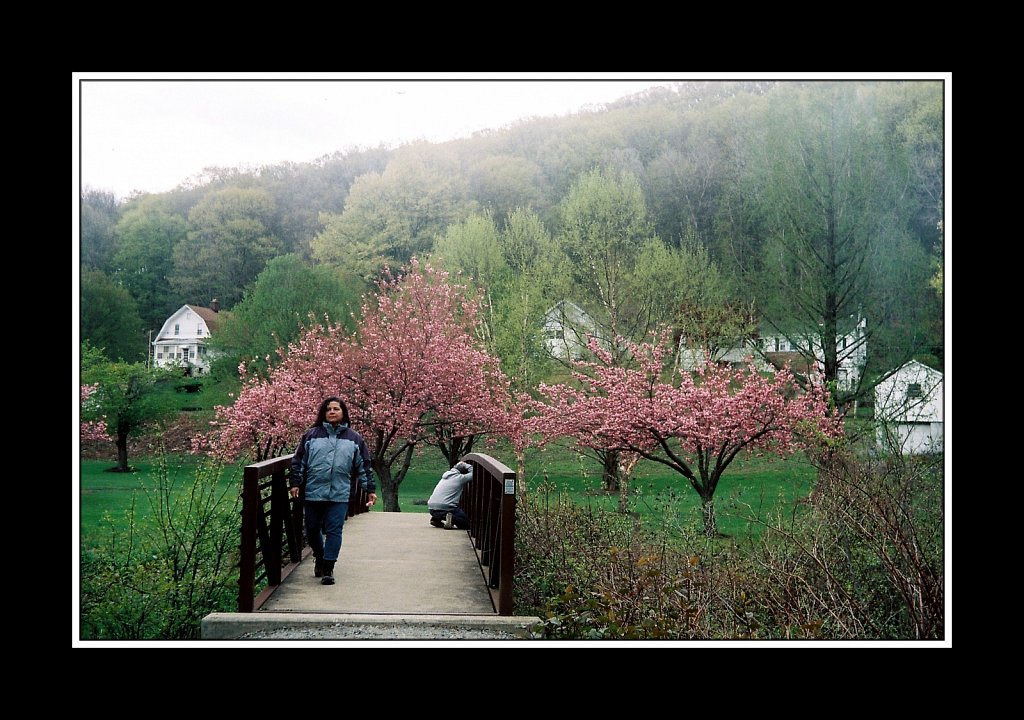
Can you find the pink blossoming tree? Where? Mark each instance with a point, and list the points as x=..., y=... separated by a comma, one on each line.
x=411, y=373
x=695, y=423
x=92, y=430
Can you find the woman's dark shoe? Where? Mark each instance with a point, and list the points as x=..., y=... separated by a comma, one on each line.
x=328, y=578
x=318, y=568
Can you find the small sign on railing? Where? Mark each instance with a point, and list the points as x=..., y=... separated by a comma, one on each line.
x=510, y=486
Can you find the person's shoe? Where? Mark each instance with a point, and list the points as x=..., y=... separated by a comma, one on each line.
x=318, y=568
x=328, y=578
x=448, y=521
x=437, y=523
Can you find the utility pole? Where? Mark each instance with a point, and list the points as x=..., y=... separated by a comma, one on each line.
x=149, y=348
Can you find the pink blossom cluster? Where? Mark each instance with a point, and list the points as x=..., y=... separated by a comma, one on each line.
x=92, y=430
x=411, y=365
x=679, y=416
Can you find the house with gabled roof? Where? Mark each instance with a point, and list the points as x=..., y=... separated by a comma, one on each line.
x=182, y=339
x=909, y=410
x=770, y=349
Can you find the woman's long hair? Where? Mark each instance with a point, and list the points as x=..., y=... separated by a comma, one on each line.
x=321, y=415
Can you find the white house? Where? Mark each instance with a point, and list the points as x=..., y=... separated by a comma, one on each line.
x=909, y=409
x=851, y=350
x=771, y=350
x=181, y=341
x=566, y=329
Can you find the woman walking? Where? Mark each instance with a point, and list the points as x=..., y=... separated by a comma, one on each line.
x=330, y=456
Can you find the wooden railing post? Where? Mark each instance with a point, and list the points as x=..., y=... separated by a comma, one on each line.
x=490, y=502
x=266, y=532
x=278, y=508
x=247, y=553
x=293, y=523
x=507, y=546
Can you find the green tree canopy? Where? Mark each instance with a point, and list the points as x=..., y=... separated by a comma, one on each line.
x=532, y=261
x=502, y=183
x=144, y=259
x=389, y=218
x=109, y=318
x=127, y=398
x=836, y=203
x=98, y=217
x=278, y=306
x=230, y=239
x=604, y=228
x=513, y=270
x=619, y=271
x=473, y=248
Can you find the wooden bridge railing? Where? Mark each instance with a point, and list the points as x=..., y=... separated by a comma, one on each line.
x=490, y=502
x=272, y=536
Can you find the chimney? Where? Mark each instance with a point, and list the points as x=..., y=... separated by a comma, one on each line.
x=215, y=305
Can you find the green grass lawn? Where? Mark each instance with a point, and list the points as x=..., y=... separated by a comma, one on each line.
x=419, y=482
x=199, y=395
x=749, y=487
x=658, y=494
x=104, y=493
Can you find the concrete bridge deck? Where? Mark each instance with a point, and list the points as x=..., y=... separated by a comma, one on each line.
x=392, y=563
x=393, y=568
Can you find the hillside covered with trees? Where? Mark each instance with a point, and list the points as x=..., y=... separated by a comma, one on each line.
x=565, y=288
x=721, y=208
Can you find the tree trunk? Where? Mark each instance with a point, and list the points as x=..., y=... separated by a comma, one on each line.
x=390, y=498
x=455, y=447
x=708, y=509
x=462, y=445
x=521, y=472
x=389, y=481
x=388, y=488
x=610, y=476
x=122, y=451
x=627, y=462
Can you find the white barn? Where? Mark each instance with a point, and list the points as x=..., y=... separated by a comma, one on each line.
x=909, y=410
x=181, y=341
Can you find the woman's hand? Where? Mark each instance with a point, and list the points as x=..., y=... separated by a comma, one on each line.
x=373, y=500
x=295, y=492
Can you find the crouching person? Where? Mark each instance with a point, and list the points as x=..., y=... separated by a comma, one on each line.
x=444, y=501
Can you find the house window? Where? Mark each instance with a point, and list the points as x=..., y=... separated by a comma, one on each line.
x=159, y=356
x=199, y=330
x=177, y=329
x=914, y=390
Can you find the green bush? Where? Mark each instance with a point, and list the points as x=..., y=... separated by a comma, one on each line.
x=860, y=558
x=866, y=560
x=155, y=580
x=595, y=574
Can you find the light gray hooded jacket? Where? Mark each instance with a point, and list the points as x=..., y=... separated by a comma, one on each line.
x=448, y=491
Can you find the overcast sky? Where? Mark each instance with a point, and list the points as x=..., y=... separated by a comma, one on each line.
x=141, y=133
